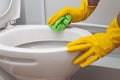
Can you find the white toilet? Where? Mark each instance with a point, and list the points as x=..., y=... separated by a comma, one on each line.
x=34, y=52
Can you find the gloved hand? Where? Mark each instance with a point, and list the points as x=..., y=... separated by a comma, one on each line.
x=78, y=14
x=97, y=45
x=61, y=24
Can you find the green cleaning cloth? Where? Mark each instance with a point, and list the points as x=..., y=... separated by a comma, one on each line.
x=62, y=23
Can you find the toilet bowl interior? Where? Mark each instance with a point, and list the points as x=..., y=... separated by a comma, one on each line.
x=30, y=35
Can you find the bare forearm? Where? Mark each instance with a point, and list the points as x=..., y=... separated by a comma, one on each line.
x=118, y=18
x=93, y=2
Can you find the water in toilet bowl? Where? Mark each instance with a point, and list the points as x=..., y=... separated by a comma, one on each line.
x=43, y=44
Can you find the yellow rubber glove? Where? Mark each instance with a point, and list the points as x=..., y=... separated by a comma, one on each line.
x=78, y=14
x=97, y=45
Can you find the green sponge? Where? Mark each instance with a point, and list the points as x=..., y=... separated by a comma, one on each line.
x=62, y=23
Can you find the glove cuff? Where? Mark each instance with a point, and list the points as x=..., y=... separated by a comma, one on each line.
x=113, y=32
x=81, y=13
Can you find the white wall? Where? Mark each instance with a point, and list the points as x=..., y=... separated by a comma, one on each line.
x=32, y=12
x=105, y=12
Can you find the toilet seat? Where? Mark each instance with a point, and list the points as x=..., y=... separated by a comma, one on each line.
x=5, y=5
x=9, y=12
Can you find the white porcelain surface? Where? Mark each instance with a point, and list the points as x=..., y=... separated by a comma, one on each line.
x=5, y=6
x=9, y=11
x=53, y=63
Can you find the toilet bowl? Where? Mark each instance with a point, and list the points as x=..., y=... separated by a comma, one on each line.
x=35, y=52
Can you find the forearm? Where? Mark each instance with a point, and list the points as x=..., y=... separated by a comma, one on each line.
x=118, y=19
x=93, y=2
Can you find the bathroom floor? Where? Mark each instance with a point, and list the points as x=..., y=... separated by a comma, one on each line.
x=97, y=73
